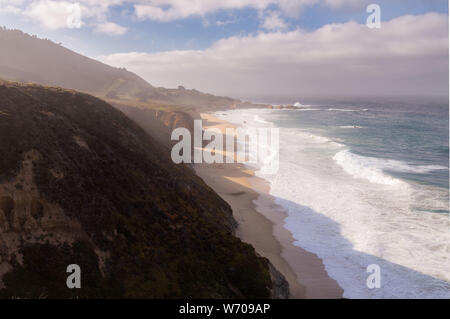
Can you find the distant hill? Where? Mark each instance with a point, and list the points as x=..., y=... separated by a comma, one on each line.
x=26, y=58
x=81, y=183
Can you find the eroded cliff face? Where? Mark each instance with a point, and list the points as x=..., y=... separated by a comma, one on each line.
x=27, y=218
x=158, y=123
x=81, y=183
x=175, y=119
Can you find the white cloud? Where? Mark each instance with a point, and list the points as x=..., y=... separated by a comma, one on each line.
x=353, y=4
x=111, y=28
x=273, y=21
x=10, y=6
x=9, y=9
x=407, y=55
x=57, y=14
x=169, y=10
x=50, y=14
x=53, y=14
x=225, y=22
x=11, y=2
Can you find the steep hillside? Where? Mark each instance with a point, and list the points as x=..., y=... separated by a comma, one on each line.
x=27, y=58
x=30, y=59
x=159, y=122
x=81, y=183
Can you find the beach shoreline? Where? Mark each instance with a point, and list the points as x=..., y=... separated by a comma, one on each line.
x=260, y=223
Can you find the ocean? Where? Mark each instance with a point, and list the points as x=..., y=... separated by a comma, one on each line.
x=366, y=182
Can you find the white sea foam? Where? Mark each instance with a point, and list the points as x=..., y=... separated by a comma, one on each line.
x=366, y=168
x=347, y=110
x=350, y=126
x=258, y=119
x=342, y=110
x=313, y=138
x=373, y=169
x=349, y=211
x=308, y=109
x=298, y=104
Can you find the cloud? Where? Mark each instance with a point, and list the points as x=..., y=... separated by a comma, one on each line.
x=111, y=28
x=273, y=21
x=15, y=3
x=293, y=8
x=226, y=22
x=9, y=9
x=56, y=14
x=353, y=4
x=50, y=14
x=169, y=10
x=408, y=55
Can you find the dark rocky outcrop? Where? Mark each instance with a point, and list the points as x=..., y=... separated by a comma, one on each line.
x=280, y=286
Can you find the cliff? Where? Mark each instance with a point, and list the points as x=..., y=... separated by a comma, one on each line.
x=81, y=183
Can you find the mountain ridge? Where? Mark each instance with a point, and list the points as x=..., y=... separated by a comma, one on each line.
x=26, y=58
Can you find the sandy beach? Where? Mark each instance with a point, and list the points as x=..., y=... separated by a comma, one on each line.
x=260, y=223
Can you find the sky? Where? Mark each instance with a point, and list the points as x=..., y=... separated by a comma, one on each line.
x=251, y=47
